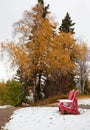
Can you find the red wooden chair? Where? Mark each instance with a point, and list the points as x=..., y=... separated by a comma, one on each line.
x=70, y=97
x=72, y=106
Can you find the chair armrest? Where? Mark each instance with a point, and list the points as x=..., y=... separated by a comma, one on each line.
x=65, y=101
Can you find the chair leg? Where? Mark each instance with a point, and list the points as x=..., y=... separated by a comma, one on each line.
x=77, y=112
x=62, y=111
x=61, y=108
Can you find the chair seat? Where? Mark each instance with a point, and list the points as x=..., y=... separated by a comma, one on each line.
x=65, y=101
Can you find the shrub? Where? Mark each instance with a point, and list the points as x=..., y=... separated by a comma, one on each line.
x=10, y=93
x=3, y=94
x=13, y=92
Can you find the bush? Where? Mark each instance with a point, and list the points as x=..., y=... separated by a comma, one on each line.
x=13, y=92
x=3, y=94
x=10, y=93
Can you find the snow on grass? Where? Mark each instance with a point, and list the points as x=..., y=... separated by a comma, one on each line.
x=6, y=106
x=84, y=101
x=49, y=118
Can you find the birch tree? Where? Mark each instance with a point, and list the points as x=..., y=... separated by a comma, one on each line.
x=82, y=67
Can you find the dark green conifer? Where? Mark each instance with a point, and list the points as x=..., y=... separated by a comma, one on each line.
x=45, y=8
x=67, y=24
x=41, y=1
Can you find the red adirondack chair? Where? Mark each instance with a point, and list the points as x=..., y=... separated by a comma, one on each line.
x=71, y=106
x=70, y=97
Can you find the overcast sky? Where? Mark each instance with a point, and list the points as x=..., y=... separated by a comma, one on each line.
x=11, y=11
x=79, y=10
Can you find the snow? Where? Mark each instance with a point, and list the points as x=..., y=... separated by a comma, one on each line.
x=49, y=118
x=84, y=101
x=6, y=106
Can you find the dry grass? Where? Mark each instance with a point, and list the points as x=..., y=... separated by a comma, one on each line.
x=52, y=101
x=83, y=96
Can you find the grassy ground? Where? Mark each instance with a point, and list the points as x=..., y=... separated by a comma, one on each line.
x=79, y=97
x=83, y=96
x=52, y=101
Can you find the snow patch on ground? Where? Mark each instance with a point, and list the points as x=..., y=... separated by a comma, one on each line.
x=49, y=118
x=84, y=101
x=6, y=106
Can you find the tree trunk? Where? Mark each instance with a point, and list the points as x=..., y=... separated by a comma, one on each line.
x=38, y=88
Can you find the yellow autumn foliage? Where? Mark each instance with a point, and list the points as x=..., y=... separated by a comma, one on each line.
x=44, y=52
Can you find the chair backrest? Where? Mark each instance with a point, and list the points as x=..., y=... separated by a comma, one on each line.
x=75, y=101
x=75, y=94
x=71, y=94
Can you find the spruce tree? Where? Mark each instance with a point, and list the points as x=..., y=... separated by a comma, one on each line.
x=41, y=1
x=67, y=27
x=45, y=8
x=67, y=24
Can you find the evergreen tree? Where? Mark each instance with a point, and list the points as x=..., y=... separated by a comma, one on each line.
x=41, y=1
x=45, y=8
x=67, y=27
x=45, y=11
x=67, y=24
